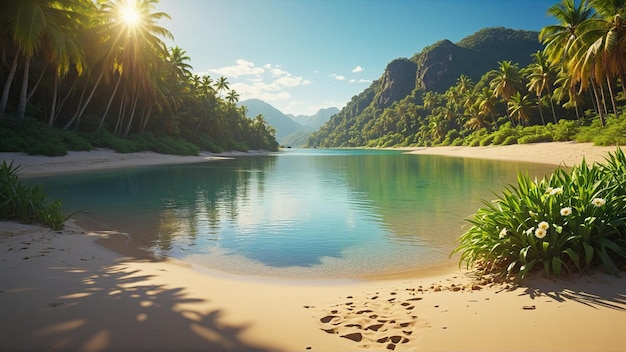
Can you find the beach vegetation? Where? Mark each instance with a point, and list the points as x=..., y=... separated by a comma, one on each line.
x=98, y=74
x=572, y=89
x=28, y=204
x=572, y=221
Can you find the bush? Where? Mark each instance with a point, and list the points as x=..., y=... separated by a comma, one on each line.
x=503, y=133
x=487, y=140
x=510, y=140
x=535, y=138
x=27, y=204
x=569, y=221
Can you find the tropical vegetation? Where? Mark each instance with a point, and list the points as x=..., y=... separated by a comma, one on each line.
x=572, y=89
x=26, y=203
x=98, y=74
x=571, y=221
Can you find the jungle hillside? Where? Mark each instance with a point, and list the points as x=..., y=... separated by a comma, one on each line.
x=499, y=86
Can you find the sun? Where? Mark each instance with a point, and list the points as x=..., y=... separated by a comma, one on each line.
x=130, y=15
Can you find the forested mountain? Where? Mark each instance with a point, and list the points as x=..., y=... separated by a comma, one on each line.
x=290, y=130
x=435, y=69
x=317, y=120
x=283, y=124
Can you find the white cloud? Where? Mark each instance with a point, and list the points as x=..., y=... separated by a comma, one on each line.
x=338, y=77
x=242, y=68
x=278, y=72
x=357, y=69
x=290, y=81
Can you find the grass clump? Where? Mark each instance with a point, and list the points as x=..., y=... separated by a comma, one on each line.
x=25, y=203
x=570, y=221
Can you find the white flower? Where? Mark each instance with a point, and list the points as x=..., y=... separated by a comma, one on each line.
x=549, y=190
x=543, y=226
x=566, y=211
x=557, y=190
x=530, y=231
x=503, y=233
x=598, y=202
x=540, y=233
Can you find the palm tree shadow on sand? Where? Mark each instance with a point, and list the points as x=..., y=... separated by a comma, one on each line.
x=111, y=308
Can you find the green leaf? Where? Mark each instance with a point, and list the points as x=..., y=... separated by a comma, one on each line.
x=588, y=253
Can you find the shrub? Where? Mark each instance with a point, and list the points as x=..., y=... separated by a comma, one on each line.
x=27, y=204
x=486, y=140
x=535, y=138
x=569, y=221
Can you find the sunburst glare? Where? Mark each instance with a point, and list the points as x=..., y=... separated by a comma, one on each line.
x=130, y=15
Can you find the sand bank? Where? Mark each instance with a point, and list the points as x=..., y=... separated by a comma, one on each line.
x=555, y=153
x=63, y=291
x=101, y=159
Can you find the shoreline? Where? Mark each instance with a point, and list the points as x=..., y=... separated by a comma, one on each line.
x=64, y=291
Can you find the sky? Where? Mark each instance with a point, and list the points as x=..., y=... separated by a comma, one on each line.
x=304, y=55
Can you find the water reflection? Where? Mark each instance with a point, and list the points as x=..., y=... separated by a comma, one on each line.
x=304, y=212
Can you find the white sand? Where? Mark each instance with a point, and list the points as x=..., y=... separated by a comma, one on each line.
x=63, y=291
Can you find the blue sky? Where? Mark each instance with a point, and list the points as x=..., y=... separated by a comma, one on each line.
x=303, y=55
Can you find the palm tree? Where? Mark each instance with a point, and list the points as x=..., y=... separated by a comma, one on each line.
x=133, y=50
x=558, y=39
x=27, y=24
x=232, y=97
x=506, y=81
x=520, y=107
x=221, y=84
x=565, y=88
x=541, y=76
x=599, y=52
x=487, y=104
x=177, y=59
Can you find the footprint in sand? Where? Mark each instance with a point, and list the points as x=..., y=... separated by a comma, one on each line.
x=373, y=321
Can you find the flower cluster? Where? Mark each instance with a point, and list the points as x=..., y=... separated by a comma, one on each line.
x=572, y=220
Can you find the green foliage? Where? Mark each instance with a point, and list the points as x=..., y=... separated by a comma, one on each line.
x=25, y=203
x=614, y=133
x=570, y=221
x=503, y=133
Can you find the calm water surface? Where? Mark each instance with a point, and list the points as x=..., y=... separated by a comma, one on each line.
x=296, y=214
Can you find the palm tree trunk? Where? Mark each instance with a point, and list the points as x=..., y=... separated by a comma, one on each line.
x=54, y=99
x=34, y=89
x=106, y=110
x=543, y=121
x=146, y=118
x=132, y=115
x=62, y=102
x=552, y=107
x=21, y=106
x=608, y=82
x=120, y=114
x=7, y=84
x=598, y=104
x=81, y=110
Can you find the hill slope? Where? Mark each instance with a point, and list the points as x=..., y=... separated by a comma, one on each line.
x=435, y=68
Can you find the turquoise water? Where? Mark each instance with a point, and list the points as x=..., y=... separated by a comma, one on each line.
x=298, y=213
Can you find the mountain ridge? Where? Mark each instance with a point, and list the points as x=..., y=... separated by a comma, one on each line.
x=436, y=68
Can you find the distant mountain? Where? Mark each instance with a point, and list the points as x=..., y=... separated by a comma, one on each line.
x=316, y=121
x=283, y=124
x=436, y=68
x=290, y=130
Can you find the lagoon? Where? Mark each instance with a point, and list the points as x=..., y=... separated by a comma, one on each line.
x=300, y=213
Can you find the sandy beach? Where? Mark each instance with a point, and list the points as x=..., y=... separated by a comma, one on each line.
x=64, y=291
